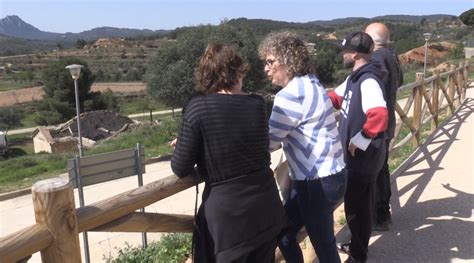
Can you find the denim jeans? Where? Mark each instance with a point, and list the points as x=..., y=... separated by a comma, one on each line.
x=312, y=207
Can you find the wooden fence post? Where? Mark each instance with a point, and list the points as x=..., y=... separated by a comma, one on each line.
x=53, y=200
x=418, y=100
x=465, y=73
x=435, y=100
x=451, y=87
x=461, y=81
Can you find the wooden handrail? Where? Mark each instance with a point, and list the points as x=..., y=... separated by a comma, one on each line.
x=149, y=222
x=25, y=242
x=453, y=89
x=109, y=209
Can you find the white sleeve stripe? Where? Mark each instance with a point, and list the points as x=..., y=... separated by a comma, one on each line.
x=341, y=89
x=372, y=96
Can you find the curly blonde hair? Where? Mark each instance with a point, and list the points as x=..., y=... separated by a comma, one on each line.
x=289, y=50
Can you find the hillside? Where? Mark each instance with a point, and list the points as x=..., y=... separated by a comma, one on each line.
x=19, y=37
x=111, y=59
x=14, y=26
x=13, y=46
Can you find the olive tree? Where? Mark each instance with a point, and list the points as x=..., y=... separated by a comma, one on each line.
x=467, y=17
x=170, y=74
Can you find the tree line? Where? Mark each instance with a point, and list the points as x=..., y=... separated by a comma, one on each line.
x=169, y=74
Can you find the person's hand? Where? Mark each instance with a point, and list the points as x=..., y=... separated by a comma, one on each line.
x=352, y=149
x=173, y=143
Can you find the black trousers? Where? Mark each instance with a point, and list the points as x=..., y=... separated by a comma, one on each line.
x=359, y=206
x=383, y=192
x=263, y=254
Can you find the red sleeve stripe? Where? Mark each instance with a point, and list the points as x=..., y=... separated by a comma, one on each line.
x=377, y=120
x=335, y=99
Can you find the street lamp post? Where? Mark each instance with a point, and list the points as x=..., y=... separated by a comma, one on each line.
x=75, y=73
x=427, y=38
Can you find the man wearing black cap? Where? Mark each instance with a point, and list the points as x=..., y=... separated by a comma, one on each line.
x=362, y=124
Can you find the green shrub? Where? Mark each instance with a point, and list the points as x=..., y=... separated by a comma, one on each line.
x=10, y=117
x=171, y=248
x=47, y=118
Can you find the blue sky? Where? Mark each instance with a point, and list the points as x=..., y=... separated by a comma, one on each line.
x=78, y=15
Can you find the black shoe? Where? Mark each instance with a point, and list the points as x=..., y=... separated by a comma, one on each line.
x=380, y=227
x=344, y=248
x=381, y=218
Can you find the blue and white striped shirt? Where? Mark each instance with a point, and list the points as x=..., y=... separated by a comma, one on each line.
x=303, y=120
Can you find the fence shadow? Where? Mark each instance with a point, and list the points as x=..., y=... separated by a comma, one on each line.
x=433, y=230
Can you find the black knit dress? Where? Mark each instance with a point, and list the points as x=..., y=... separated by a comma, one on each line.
x=227, y=137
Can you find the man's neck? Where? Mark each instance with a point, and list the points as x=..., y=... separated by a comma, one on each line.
x=377, y=47
x=358, y=63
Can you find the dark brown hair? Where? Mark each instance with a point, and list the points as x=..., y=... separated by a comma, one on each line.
x=219, y=69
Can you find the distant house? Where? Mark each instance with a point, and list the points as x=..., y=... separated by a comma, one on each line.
x=469, y=48
x=43, y=141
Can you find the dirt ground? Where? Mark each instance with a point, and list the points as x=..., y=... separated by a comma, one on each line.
x=12, y=97
x=435, y=51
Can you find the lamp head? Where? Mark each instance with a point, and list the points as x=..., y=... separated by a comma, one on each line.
x=427, y=36
x=75, y=70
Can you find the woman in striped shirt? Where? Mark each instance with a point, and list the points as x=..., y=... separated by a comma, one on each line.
x=302, y=120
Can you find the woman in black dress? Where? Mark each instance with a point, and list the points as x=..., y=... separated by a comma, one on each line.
x=225, y=132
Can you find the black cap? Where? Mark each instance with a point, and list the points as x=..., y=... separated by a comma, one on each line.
x=357, y=42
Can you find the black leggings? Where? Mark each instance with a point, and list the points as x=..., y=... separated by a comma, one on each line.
x=263, y=254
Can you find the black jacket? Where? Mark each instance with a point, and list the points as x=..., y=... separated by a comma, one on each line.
x=393, y=80
x=370, y=161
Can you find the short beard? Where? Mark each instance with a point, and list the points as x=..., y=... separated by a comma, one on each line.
x=349, y=64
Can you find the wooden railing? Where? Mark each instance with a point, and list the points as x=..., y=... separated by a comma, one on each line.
x=427, y=98
x=58, y=222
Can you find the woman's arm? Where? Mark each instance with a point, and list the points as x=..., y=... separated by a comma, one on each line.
x=187, y=149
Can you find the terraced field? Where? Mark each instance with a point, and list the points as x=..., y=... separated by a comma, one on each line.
x=12, y=97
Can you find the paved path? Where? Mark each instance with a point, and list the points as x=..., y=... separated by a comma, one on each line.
x=433, y=201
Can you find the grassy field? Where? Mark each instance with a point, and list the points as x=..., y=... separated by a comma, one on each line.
x=23, y=169
x=9, y=84
x=132, y=105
